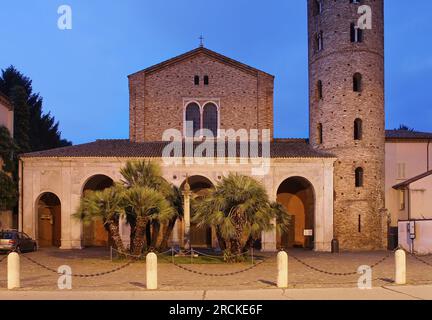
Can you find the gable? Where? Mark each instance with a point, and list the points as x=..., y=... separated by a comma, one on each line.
x=206, y=52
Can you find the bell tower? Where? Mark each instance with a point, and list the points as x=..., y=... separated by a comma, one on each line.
x=346, y=108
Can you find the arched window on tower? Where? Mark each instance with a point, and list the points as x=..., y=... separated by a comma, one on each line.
x=356, y=34
x=358, y=129
x=206, y=80
x=357, y=82
x=196, y=80
x=319, y=90
x=317, y=7
x=319, y=42
x=210, y=118
x=193, y=119
x=359, y=173
x=320, y=133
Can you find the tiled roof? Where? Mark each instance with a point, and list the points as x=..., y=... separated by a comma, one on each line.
x=206, y=51
x=406, y=134
x=296, y=148
x=406, y=183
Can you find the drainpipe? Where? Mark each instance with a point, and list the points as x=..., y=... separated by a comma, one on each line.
x=427, y=156
x=409, y=215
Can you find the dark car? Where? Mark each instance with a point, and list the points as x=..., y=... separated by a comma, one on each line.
x=12, y=240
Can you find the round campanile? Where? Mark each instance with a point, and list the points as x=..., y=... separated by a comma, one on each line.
x=346, y=96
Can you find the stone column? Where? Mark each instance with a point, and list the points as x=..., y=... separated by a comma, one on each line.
x=186, y=211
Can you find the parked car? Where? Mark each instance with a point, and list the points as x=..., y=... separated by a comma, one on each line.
x=13, y=240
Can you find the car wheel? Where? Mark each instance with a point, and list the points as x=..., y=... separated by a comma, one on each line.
x=18, y=250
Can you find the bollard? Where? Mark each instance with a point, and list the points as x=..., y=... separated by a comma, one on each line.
x=151, y=267
x=282, y=264
x=400, y=260
x=13, y=271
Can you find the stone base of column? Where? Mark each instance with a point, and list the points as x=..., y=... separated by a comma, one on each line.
x=322, y=247
x=71, y=245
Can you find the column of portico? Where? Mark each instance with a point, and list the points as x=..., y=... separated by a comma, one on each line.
x=268, y=238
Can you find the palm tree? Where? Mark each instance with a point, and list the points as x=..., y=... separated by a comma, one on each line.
x=148, y=205
x=145, y=174
x=176, y=202
x=108, y=205
x=240, y=210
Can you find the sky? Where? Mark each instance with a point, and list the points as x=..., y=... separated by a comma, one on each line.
x=82, y=73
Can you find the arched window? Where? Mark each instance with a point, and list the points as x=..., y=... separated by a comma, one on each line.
x=319, y=45
x=210, y=118
x=358, y=129
x=320, y=133
x=206, y=80
x=359, y=177
x=356, y=33
x=317, y=9
x=193, y=119
x=196, y=80
x=357, y=82
x=319, y=90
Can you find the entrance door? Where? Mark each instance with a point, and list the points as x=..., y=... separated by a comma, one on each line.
x=49, y=220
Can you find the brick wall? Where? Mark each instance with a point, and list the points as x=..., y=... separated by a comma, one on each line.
x=335, y=66
x=157, y=96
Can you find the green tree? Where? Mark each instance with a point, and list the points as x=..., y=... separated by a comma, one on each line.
x=240, y=210
x=7, y=150
x=21, y=119
x=403, y=127
x=8, y=192
x=148, y=205
x=147, y=174
x=107, y=205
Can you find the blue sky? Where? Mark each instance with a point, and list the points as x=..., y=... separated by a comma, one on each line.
x=82, y=73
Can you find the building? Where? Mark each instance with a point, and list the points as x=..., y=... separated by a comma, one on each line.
x=409, y=188
x=213, y=92
x=6, y=113
x=333, y=183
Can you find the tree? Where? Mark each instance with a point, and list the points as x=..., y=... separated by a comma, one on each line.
x=34, y=130
x=7, y=150
x=403, y=127
x=108, y=205
x=21, y=119
x=148, y=205
x=8, y=192
x=240, y=210
x=149, y=175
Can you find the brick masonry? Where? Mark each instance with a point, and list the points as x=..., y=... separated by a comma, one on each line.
x=335, y=66
x=158, y=94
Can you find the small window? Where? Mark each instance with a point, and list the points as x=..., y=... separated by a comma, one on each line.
x=196, y=80
x=401, y=167
x=206, y=80
x=355, y=1
x=320, y=133
x=359, y=177
x=358, y=129
x=357, y=82
x=319, y=41
x=356, y=34
x=401, y=200
x=319, y=90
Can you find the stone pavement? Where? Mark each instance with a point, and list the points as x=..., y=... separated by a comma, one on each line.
x=131, y=280
x=383, y=293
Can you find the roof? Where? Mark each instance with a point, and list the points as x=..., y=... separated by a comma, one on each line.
x=127, y=149
x=407, y=135
x=412, y=180
x=208, y=52
x=4, y=100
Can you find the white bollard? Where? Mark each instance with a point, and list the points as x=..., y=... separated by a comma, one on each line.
x=151, y=267
x=13, y=271
x=282, y=264
x=400, y=260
